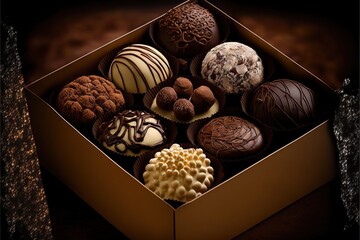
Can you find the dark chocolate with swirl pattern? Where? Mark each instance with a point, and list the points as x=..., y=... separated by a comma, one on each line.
x=131, y=131
x=283, y=104
x=230, y=137
x=188, y=30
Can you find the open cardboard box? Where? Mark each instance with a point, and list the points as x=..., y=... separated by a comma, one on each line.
x=285, y=175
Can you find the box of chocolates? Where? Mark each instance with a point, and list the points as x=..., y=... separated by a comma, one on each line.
x=190, y=126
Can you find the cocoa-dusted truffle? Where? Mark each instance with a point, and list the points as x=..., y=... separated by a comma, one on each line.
x=183, y=87
x=183, y=109
x=202, y=99
x=233, y=67
x=230, y=137
x=188, y=30
x=283, y=104
x=166, y=98
x=86, y=98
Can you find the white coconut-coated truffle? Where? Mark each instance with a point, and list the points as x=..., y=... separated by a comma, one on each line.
x=179, y=174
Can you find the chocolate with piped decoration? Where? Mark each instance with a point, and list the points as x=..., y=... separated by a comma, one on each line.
x=230, y=137
x=188, y=30
x=202, y=99
x=131, y=132
x=283, y=104
x=139, y=67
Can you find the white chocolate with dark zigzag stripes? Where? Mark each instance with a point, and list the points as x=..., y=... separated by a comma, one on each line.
x=139, y=67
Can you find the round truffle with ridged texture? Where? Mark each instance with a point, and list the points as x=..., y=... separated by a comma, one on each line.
x=230, y=137
x=183, y=109
x=234, y=67
x=283, y=104
x=179, y=174
x=166, y=98
x=187, y=30
x=139, y=67
x=202, y=99
x=86, y=98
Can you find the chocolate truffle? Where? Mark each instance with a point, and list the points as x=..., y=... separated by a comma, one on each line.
x=233, y=66
x=131, y=132
x=183, y=87
x=183, y=109
x=230, y=137
x=166, y=98
x=188, y=30
x=179, y=174
x=86, y=98
x=283, y=104
x=138, y=67
x=202, y=99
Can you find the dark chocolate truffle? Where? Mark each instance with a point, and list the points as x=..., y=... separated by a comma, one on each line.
x=188, y=30
x=283, y=104
x=202, y=99
x=230, y=137
x=183, y=109
x=166, y=98
x=86, y=98
x=183, y=87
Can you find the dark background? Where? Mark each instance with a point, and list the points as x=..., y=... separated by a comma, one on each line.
x=322, y=36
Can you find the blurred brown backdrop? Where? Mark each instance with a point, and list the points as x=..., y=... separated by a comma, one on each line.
x=324, y=38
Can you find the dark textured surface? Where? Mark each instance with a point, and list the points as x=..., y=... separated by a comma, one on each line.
x=322, y=39
x=24, y=209
x=188, y=30
x=346, y=127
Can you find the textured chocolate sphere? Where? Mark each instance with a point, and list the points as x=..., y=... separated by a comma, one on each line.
x=188, y=30
x=183, y=109
x=230, y=137
x=86, y=98
x=234, y=67
x=283, y=104
x=166, y=98
x=202, y=99
x=183, y=87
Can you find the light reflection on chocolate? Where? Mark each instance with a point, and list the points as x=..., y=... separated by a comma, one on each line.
x=283, y=104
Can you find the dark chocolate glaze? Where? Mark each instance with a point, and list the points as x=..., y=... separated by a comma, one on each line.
x=230, y=137
x=156, y=68
x=123, y=124
x=283, y=104
x=188, y=30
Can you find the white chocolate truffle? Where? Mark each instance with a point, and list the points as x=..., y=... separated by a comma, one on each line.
x=179, y=174
x=139, y=67
x=131, y=132
x=233, y=66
